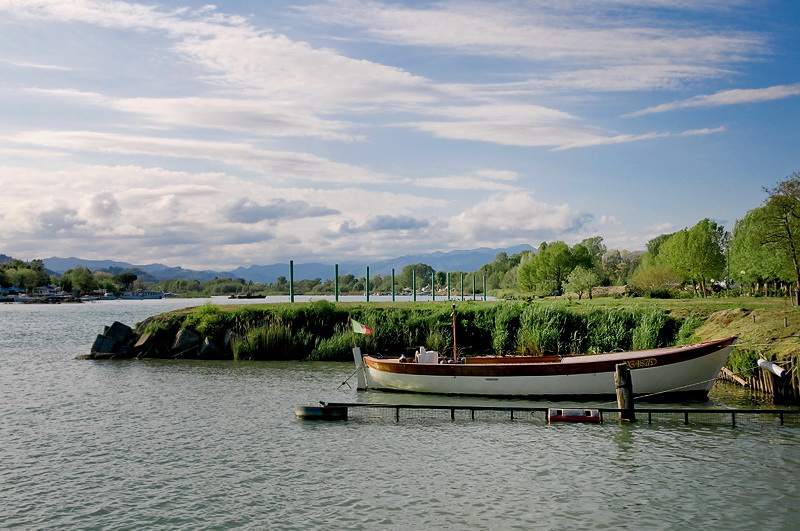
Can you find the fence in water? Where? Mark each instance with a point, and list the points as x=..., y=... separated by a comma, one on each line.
x=539, y=415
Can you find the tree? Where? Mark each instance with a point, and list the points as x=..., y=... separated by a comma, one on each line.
x=753, y=261
x=595, y=249
x=79, y=279
x=654, y=279
x=423, y=274
x=126, y=279
x=782, y=223
x=696, y=254
x=581, y=280
x=654, y=245
x=545, y=271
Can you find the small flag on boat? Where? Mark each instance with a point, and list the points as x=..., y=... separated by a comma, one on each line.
x=359, y=328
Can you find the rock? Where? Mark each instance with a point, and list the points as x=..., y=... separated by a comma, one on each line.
x=186, y=344
x=226, y=340
x=119, y=332
x=209, y=350
x=103, y=345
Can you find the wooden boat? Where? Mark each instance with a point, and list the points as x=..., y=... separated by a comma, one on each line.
x=689, y=370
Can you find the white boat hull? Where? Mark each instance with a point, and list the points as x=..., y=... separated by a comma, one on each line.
x=695, y=375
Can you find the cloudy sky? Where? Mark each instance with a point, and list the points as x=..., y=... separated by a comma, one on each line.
x=256, y=132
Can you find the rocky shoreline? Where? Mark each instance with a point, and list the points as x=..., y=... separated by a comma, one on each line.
x=120, y=341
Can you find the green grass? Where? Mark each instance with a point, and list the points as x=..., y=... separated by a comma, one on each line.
x=321, y=329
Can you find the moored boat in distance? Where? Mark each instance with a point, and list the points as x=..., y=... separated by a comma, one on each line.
x=246, y=296
x=142, y=294
x=686, y=370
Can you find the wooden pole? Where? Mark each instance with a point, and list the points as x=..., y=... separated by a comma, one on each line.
x=455, y=350
x=291, y=280
x=624, y=385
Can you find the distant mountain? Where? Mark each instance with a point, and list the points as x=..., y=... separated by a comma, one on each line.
x=471, y=260
x=466, y=260
x=157, y=271
x=5, y=259
x=450, y=261
x=270, y=273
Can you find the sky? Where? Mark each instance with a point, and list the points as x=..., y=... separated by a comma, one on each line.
x=257, y=132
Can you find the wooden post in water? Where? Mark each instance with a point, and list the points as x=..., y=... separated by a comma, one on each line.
x=336, y=281
x=624, y=385
x=366, y=284
x=392, y=284
x=291, y=280
x=455, y=350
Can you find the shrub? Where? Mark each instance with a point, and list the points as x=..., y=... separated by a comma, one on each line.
x=209, y=320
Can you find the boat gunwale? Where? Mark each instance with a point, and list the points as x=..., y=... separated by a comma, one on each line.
x=580, y=364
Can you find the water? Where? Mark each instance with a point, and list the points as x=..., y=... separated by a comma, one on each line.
x=214, y=445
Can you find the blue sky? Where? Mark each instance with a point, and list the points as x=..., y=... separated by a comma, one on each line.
x=257, y=132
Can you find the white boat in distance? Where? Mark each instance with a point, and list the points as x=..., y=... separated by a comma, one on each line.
x=689, y=370
x=142, y=294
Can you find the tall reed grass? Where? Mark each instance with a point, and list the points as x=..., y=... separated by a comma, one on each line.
x=322, y=331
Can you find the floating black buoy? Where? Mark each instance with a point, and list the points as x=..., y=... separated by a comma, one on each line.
x=321, y=412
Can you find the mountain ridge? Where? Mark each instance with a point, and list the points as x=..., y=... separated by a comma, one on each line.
x=456, y=260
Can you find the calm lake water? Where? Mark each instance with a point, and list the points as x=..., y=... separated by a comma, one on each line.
x=120, y=445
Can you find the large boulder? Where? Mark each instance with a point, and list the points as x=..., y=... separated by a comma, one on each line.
x=209, y=350
x=186, y=344
x=114, y=342
x=119, y=332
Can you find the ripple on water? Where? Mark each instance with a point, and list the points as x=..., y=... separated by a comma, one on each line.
x=188, y=445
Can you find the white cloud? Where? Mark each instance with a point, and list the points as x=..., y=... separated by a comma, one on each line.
x=494, y=180
x=569, y=33
x=273, y=165
x=659, y=228
x=510, y=218
x=726, y=97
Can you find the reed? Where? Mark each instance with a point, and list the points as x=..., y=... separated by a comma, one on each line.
x=549, y=330
x=438, y=339
x=650, y=330
x=334, y=348
x=506, y=325
x=321, y=330
x=609, y=330
x=274, y=339
x=744, y=362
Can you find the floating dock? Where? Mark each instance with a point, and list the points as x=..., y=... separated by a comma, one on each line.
x=544, y=415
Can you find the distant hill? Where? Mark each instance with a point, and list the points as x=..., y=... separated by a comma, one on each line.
x=4, y=259
x=466, y=260
x=156, y=271
x=471, y=260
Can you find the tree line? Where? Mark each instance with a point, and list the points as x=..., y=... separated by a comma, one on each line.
x=761, y=253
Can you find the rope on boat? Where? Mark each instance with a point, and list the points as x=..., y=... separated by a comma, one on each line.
x=639, y=397
x=346, y=379
x=678, y=388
